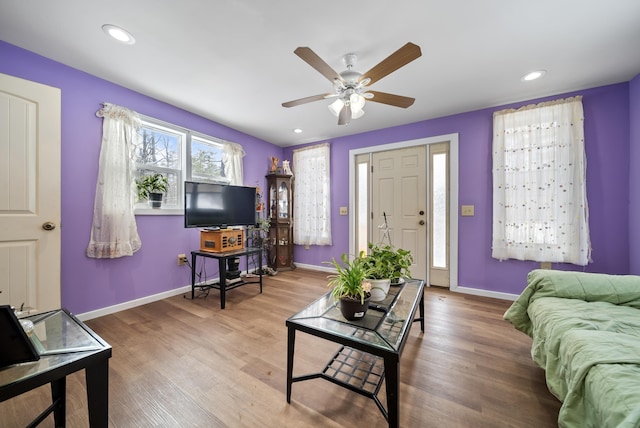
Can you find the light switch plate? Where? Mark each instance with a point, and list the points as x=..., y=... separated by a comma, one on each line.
x=343, y=211
x=468, y=210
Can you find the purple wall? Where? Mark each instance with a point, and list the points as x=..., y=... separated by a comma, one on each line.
x=607, y=146
x=634, y=176
x=90, y=284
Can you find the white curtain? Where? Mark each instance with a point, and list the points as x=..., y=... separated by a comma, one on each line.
x=540, y=209
x=114, y=232
x=232, y=158
x=312, y=198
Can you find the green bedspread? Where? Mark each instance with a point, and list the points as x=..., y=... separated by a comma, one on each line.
x=586, y=336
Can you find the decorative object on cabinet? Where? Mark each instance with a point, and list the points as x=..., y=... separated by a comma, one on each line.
x=286, y=169
x=274, y=165
x=280, y=211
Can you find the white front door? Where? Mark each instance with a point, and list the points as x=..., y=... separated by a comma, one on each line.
x=29, y=194
x=399, y=194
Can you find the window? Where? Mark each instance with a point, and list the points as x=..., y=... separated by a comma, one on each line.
x=312, y=196
x=178, y=154
x=540, y=210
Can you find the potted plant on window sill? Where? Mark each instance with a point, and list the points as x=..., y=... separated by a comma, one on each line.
x=152, y=188
x=349, y=287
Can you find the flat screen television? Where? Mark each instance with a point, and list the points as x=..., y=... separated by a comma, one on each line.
x=208, y=205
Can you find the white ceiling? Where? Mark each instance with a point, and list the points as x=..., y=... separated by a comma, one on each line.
x=232, y=61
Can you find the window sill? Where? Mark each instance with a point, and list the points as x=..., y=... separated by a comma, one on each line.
x=159, y=211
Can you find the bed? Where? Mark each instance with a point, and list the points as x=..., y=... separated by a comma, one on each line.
x=586, y=336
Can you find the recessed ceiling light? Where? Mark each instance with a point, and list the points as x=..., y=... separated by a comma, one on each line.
x=120, y=34
x=533, y=75
x=297, y=130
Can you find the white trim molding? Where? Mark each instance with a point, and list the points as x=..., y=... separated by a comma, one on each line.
x=453, y=193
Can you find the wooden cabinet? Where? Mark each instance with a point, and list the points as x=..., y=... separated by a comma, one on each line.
x=280, y=211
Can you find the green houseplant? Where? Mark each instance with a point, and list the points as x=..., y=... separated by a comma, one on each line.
x=349, y=287
x=152, y=188
x=386, y=261
x=383, y=265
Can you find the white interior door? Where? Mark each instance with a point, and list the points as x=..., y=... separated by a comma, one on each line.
x=29, y=194
x=399, y=192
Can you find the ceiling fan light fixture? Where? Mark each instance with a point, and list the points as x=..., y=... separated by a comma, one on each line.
x=357, y=114
x=357, y=103
x=349, y=86
x=336, y=106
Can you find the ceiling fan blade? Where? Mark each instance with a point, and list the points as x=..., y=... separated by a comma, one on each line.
x=311, y=58
x=399, y=58
x=391, y=99
x=345, y=115
x=306, y=100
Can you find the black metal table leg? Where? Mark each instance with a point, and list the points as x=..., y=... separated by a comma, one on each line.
x=260, y=268
x=97, y=377
x=291, y=339
x=392, y=382
x=222, y=268
x=193, y=275
x=59, y=398
x=421, y=308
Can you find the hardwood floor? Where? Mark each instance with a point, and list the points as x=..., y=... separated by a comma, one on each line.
x=187, y=363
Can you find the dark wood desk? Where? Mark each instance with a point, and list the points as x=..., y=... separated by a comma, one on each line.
x=371, y=346
x=222, y=269
x=65, y=346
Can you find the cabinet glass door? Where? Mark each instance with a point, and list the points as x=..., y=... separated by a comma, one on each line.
x=272, y=201
x=283, y=201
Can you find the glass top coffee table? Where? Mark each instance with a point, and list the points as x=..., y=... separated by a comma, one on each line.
x=64, y=345
x=371, y=346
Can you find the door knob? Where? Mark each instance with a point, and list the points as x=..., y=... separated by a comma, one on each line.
x=48, y=225
x=421, y=222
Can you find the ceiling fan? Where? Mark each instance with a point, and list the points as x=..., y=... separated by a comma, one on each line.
x=350, y=87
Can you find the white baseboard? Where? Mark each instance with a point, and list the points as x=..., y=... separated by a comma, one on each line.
x=464, y=290
x=187, y=288
x=144, y=300
x=132, y=303
x=485, y=293
x=316, y=267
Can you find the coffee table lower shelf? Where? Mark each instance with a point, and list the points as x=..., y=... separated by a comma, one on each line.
x=355, y=370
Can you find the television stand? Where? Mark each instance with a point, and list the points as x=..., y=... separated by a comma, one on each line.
x=225, y=282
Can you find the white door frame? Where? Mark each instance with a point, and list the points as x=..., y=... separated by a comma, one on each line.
x=453, y=193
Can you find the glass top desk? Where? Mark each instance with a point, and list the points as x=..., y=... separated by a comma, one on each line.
x=371, y=346
x=65, y=346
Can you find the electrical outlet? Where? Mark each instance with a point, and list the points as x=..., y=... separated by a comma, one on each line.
x=468, y=210
x=182, y=259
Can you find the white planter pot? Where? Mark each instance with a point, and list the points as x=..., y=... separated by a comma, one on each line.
x=379, y=289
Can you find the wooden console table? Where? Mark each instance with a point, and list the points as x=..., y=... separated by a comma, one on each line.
x=222, y=269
